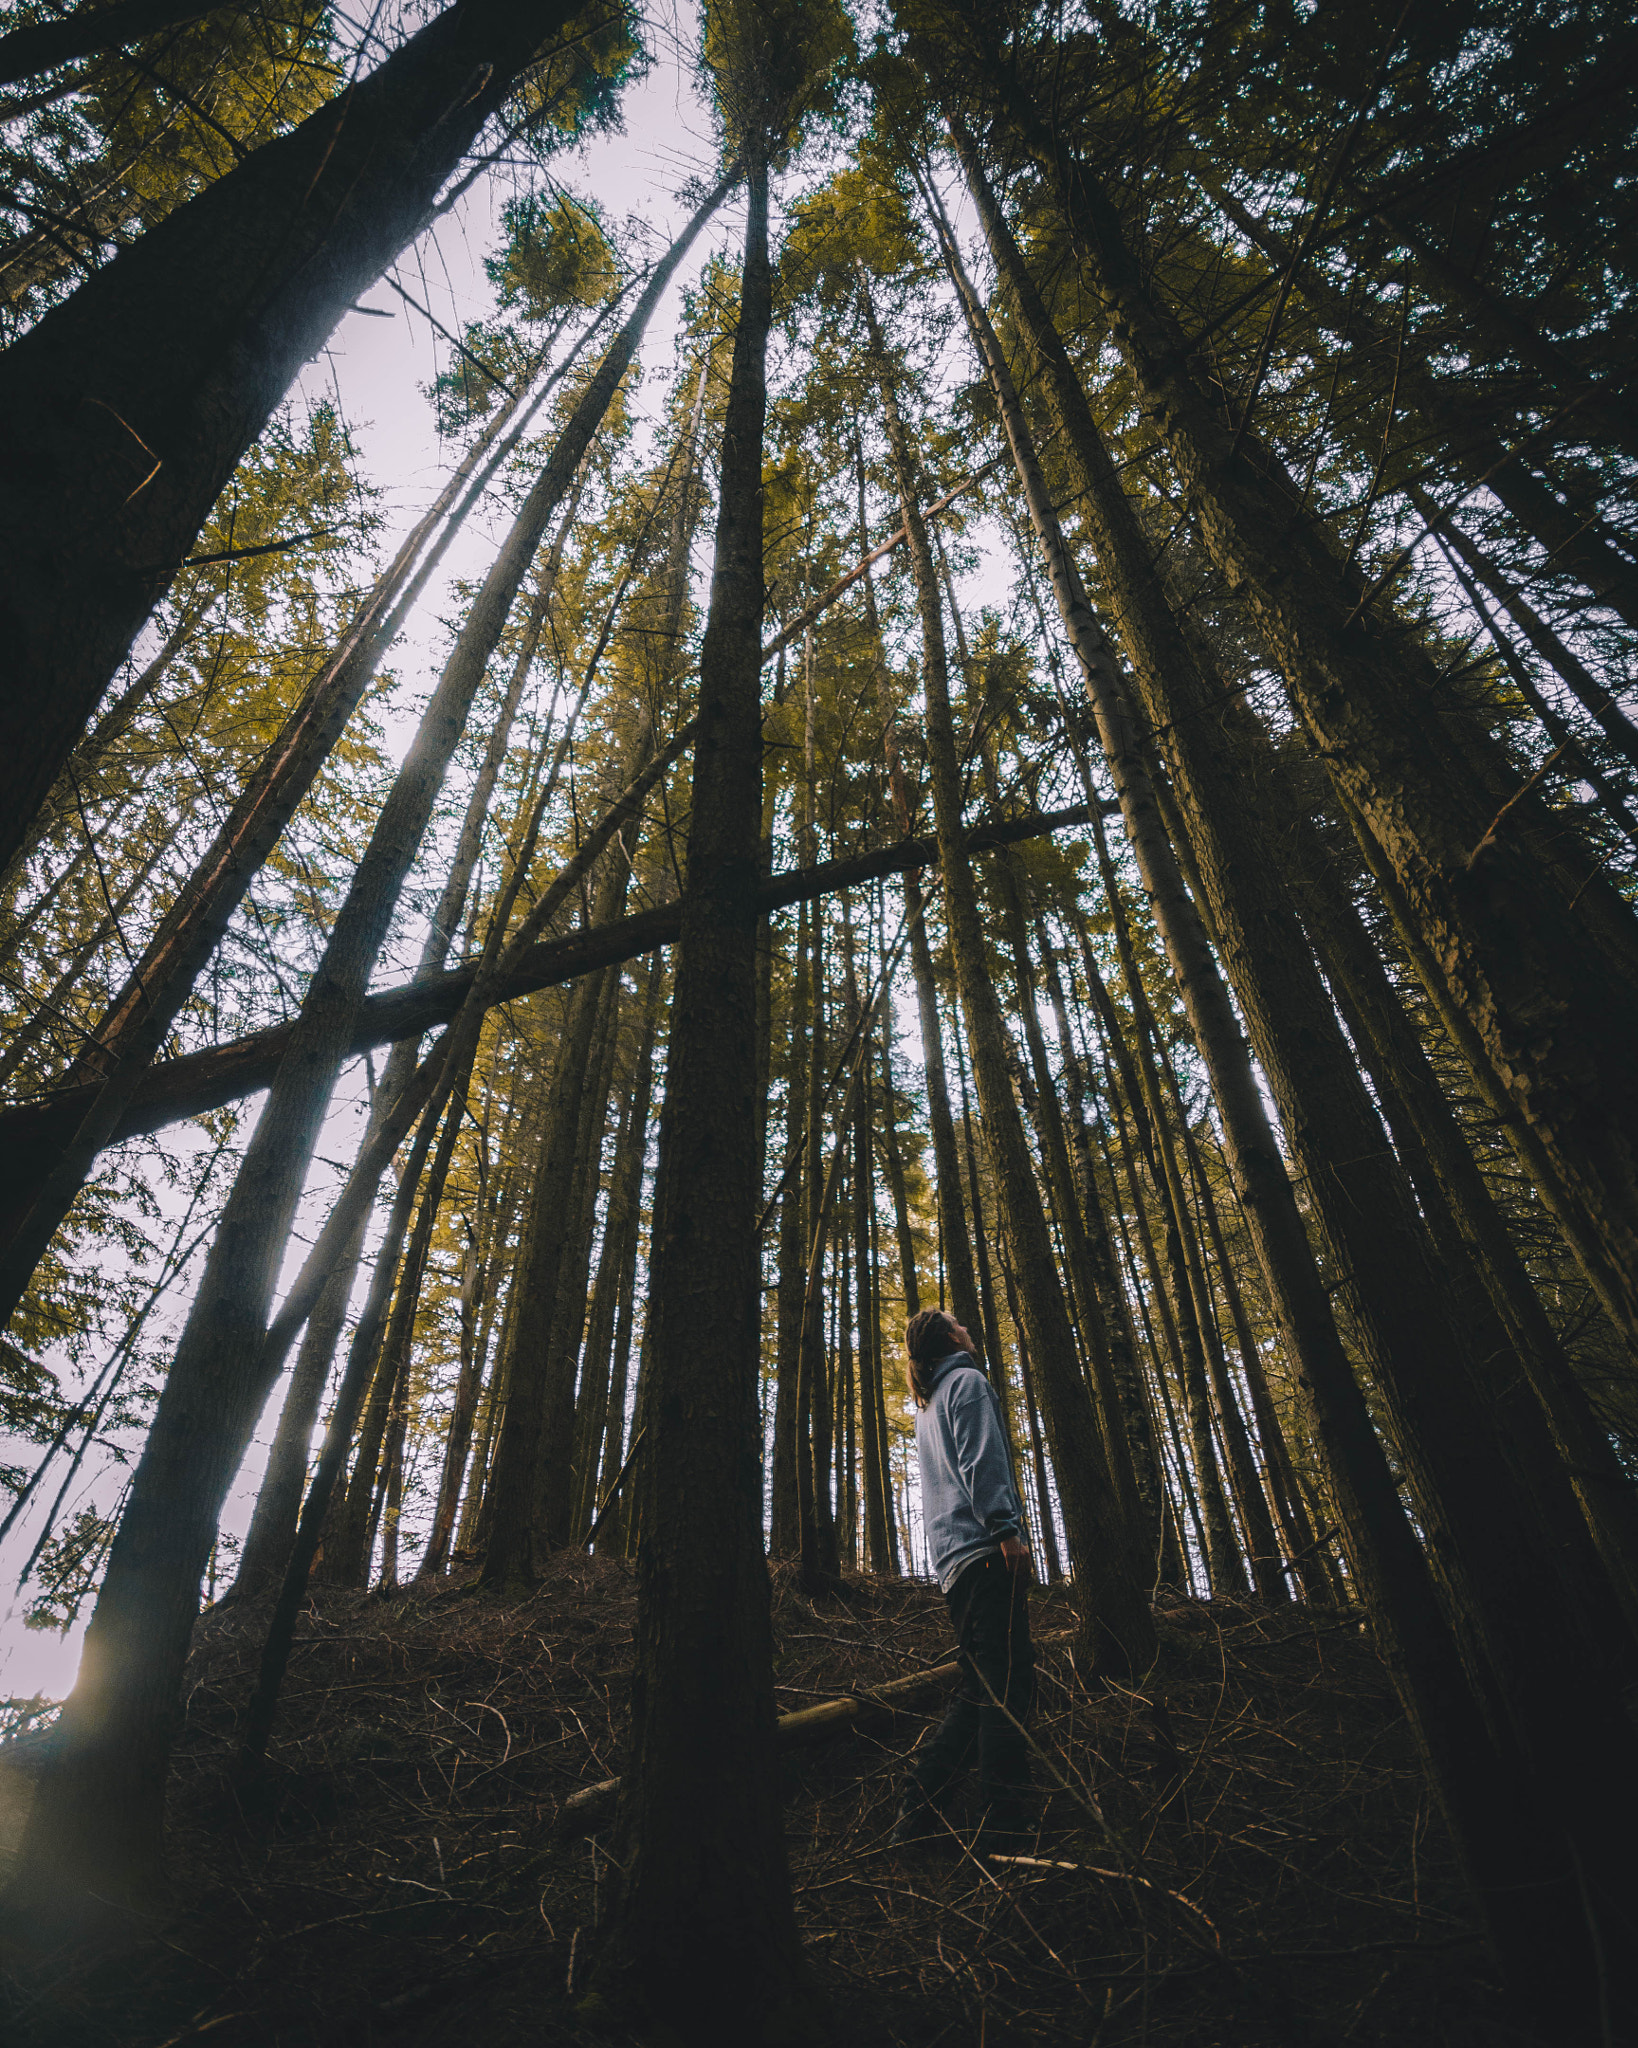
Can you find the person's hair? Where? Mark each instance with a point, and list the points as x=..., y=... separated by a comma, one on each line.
x=927, y=1338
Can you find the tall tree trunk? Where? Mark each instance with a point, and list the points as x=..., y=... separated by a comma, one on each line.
x=1157, y=1292
x=278, y=1501
x=1256, y=1521
x=1191, y=1304
x=1595, y=699
x=878, y=1416
x=786, y=1534
x=476, y=1398
x=554, y=1476
x=350, y=1539
x=98, y=1811
x=1043, y=1492
x=895, y=1175
x=1512, y=1330
x=1544, y=985
x=333, y=1001
x=50, y=1009
x=625, y=1206
x=1079, y=1265
x=1572, y=543
x=981, y=1234
x=848, y=1365
x=1125, y=1370
x=1578, y=763
x=116, y=455
x=1117, y=1628
x=1284, y=1496
x=872, y=1428
x=704, y=1928
x=591, y=1414
x=959, y=1280
x=1362, y=1206
x=512, y=1555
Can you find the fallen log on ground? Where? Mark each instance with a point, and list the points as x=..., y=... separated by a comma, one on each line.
x=592, y=1807
x=204, y=1080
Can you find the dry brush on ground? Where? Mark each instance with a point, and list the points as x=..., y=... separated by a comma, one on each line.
x=1247, y=1852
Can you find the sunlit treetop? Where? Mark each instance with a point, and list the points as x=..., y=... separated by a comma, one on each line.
x=773, y=65
x=556, y=256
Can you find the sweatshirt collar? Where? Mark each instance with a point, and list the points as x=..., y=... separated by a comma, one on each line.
x=947, y=1365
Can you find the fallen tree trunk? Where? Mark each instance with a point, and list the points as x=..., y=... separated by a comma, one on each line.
x=206, y=1080
x=592, y=1807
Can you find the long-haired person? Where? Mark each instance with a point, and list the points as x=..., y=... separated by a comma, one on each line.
x=975, y=1534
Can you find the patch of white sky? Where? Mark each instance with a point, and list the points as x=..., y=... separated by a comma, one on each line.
x=376, y=371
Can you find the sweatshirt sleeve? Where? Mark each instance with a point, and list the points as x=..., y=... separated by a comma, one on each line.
x=981, y=1454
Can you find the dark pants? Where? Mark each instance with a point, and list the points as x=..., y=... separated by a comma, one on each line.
x=989, y=1606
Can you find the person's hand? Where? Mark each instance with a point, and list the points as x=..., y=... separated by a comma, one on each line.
x=1015, y=1555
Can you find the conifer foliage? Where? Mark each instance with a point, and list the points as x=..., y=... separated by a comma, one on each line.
x=1062, y=745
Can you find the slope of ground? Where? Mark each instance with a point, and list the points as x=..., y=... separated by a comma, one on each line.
x=1256, y=1862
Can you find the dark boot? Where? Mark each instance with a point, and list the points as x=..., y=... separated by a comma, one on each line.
x=943, y=1758
x=1009, y=1805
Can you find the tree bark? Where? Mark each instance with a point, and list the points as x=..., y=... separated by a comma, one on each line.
x=1572, y=544
x=1125, y=1369
x=116, y=456
x=350, y=1535
x=98, y=1812
x=789, y=1435
x=1117, y=1626
x=331, y=1007
x=704, y=1930
x=196, y=1082
x=872, y=1427
x=1365, y=1217
x=278, y=1501
x=1545, y=988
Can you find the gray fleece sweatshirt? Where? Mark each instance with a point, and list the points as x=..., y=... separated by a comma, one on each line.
x=968, y=1499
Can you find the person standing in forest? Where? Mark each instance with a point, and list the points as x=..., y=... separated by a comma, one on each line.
x=975, y=1534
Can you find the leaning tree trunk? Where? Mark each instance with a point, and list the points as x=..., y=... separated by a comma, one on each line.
x=1545, y=984
x=512, y=1556
x=704, y=1924
x=1572, y=543
x=1072, y=1223
x=1124, y=1366
x=117, y=454
x=1256, y=1518
x=97, y=1815
x=135, y=1020
x=1504, y=1821
x=1117, y=1627
x=354, y=1531
x=333, y=1001
x=278, y=1499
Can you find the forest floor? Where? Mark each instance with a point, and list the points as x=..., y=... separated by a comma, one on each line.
x=1275, y=1874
